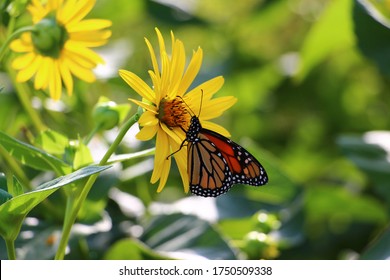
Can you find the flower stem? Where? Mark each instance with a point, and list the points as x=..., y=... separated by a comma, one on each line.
x=10, y=249
x=23, y=93
x=4, y=48
x=74, y=205
x=91, y=134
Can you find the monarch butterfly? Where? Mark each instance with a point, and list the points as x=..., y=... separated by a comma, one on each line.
x=215, y=163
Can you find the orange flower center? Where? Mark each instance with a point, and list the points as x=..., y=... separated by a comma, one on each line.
x=174, y=113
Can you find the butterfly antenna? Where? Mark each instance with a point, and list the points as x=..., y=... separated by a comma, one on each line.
x=192, y=113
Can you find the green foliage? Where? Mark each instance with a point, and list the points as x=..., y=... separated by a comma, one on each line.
x=186, y=234
x=132, y=250
x=14, y=210
x=32, y=156
x=312, y=83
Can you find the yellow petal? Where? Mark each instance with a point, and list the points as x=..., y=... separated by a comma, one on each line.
x=153, y=58
x=177, y=68
x=78, y=70
x=215, y=127
x=53, y=4
x=138, y=85
x=161, y=42
x=145, y=106
x=66, y=77
x=165, y=73
x=181, y=162
x=88, y=25
x=191, y=72
x=38, y=11
x=23, y=44
x=87, y=56
x=147, y=132
x=42, y=78
x=66, y=11
x=164, y=175
x=91, y=39
x=148, y=119
x=75, y=11
x=23, y=61
x=156, y=83
x=175, y=134
x=215, y=107
x=26, y=73
x=77, y=59
x=162, y=164
x=194, y=97
x=55, y=85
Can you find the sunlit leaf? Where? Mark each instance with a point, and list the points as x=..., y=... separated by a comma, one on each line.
x=236, y=228
x=52, y=142
x=339, y=207
x=179, y=234
x=13, y=212
x=332, y=32
x=372, y=33
x=17, y=188
x=82, y=156
x=370, y=152
x=32, y=156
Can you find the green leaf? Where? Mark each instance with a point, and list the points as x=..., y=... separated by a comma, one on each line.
x=379, y=249
x=13, y=212
x=372, y=33
x=280, y=188
x=82, y=156
x=131, y=249
x=31, y=156
x=17, y=188
x=333, y=31
x=370, y=153
x=52, y=142
x=186, y=234
x=340, y=207
x=236, y=228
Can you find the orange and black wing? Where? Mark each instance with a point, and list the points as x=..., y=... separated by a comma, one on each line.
x=215, y=163
x=208, y=170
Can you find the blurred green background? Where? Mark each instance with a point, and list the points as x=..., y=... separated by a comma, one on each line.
x=312, y=82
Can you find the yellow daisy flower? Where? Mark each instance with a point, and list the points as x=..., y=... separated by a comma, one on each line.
x=168, y=105
x=59, y=46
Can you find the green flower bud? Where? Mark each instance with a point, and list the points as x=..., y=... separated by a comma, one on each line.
x=49, y=37
x=106, y=115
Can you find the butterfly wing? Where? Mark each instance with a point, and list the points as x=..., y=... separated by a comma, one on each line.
x=245, y=168
x=215, y=163
x=208, y=170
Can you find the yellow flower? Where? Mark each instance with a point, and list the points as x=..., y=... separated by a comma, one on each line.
x=59, y=46
x=169, y=105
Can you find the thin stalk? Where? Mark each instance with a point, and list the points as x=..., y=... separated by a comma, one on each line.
x=74, y=206
x=23, y=92
x=91, y=134
x=13, y=36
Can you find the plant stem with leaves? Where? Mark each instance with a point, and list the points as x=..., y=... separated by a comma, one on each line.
x=75, y=203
